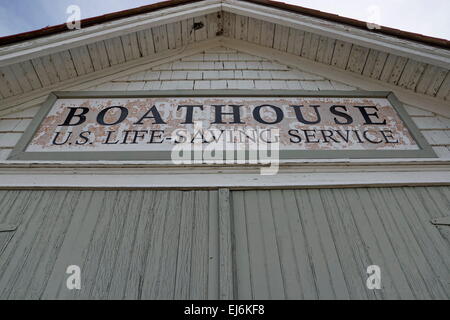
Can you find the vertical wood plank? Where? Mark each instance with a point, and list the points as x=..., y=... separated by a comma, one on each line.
x=379, y=250
x=178, y=36
x=267, y=33
x=347, y=248
x=125, y=245
x=170, y=245
x=130, y=46
x=201, y=33
x=397, y=70
x=95, y=247
x=411, y=75
x=242, y=254
x=114, y=50
x=322, y=276
x=341, y=54
x=328, y=244
x=171, y=35
x=200, y=252
x=388, y=67
x=160, y=38
x=444, y=89
x=437, y=81
x=76, y=240
x=186, y=31
x=254, y=30
x=19, y=73
x=286, y=251
x=213, y=248
x=226, y=23
x=183, y=272
x=10, y=79
x=138, y=260
x=5, y=90
x=47, y=255
x=357, y=59
x=302, y=257
x=259, y=282
x=212, y=24
x=241, y=27
x=40, y=71
x=407, y=249
x=391, y=241
x=325, y=50
x=226, y=282
x=150, y=277
x=70, y=67
x=24, y=258
x=145, y=41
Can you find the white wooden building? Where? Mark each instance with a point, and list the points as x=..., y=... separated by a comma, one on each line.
x=140, y=226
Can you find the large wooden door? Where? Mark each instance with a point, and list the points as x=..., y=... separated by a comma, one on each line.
x=128, y=244
x=318, y=243
x=221, y=244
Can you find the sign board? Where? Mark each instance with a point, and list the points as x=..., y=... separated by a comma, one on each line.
x=147, y=126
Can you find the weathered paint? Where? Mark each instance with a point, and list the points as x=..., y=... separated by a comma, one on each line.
x=128, y=244
x=226, y=68
x=274, y=244
x=324, y=128
x=318, y=243
x=395, y=135
x=224, y=244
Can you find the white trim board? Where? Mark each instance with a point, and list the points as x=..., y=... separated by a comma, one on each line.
x=298, y=173
x=237, y=181
x=300, y=163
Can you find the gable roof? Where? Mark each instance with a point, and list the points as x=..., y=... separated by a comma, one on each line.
x=419, y=74
x=411, y=36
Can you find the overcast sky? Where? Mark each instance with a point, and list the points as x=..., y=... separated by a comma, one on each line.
x=429, y=17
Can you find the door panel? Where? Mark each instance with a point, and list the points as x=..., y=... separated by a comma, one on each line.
x=128, y=244
x=253, y=244
x=318, y=243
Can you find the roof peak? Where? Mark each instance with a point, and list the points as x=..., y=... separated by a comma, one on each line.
x=88, y=22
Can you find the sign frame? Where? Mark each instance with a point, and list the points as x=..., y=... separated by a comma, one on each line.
x=20, y=153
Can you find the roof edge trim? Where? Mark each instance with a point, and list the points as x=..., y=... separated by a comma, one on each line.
x=47, y=31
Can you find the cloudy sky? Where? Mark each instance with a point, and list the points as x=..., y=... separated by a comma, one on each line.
x=429, y=17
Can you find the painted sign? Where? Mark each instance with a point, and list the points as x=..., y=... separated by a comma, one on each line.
x=120, y=124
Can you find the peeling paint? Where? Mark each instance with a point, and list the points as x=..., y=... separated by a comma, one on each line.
x=173, y=117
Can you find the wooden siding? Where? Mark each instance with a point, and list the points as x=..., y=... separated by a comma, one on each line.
x=44, y=71
x=128, y=244
x=11, y=129
x=224, y=68
x=403, y=72
x=318, y=243
x=273, y=244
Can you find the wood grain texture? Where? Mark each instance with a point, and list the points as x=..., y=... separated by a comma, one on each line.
x=294, y=244
x=326, y=238
x=226, y=283
x=129, y=245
